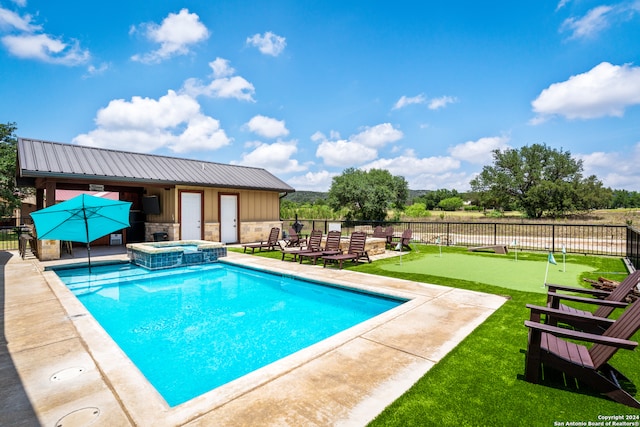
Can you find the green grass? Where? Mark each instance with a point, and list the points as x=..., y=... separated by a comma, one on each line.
x=480, y=382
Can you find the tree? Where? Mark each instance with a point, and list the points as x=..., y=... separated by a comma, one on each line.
x=9, y=197
x=451, y=204
x=540, y=181
x=367, y=195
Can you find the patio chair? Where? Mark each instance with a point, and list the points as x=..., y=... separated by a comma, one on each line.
x=607, y=302
x=355, y=252
x=294, y=238
x=404, y=240
x=315, y=239
x=331, y=247
x=379, y=232
x=388, y=232
x=271, y=243
x=546, y=347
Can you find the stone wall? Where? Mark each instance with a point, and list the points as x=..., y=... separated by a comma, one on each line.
x=257, y=231
x=212, y=231
x=172, y=230
x=48, y=250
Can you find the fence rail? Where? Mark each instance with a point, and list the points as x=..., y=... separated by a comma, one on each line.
x=594, y=239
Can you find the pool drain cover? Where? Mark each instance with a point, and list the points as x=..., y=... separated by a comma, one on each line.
x=81, y=417
x=67, y=374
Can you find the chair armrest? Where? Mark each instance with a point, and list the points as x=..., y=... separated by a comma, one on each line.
x=595, y=292
x=567, y=317
x=616, y=304
x=581, y=336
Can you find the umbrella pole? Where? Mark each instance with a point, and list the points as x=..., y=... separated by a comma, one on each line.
x=86, y=228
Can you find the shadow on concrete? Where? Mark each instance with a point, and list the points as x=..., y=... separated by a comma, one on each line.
x=15, y=407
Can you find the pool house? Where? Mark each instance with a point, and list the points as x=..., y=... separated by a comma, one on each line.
x=172, y=198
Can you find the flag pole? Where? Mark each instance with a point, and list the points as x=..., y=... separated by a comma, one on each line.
x=515, y=248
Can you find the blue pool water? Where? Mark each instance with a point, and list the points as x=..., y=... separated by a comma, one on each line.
x=192, y=329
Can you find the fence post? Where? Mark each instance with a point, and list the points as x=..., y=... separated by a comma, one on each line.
x=448, y=238
x=553, y=237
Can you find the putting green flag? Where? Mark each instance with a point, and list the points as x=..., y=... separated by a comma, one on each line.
x=552, y=260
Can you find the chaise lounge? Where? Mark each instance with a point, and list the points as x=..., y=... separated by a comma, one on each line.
x=355, y=252
x=271, y=243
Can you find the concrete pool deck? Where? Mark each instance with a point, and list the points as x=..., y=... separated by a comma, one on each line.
x=58, y=366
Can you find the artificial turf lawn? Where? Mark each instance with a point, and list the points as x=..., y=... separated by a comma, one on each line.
x=480, y=382
x=498, y=270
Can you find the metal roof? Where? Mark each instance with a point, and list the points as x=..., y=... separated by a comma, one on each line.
x=44, y=159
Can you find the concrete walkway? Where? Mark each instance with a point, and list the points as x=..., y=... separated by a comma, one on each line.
x=58, y=367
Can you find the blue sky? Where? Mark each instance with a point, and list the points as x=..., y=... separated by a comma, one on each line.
x=306, y=89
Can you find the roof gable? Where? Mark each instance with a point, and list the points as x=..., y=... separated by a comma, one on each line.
x=51, y=159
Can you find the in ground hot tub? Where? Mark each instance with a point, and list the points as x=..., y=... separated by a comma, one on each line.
x=156, y=255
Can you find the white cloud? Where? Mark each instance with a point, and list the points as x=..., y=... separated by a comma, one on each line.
x=359, y=148
x=269, y=43
x=480, y=151
x=12, y=21
x=92, y=70
x=146, y=124
x=313, y=181
x=605, y=90
x=561, y=4
x=624, y=176
x=345, y=153
x=223, y=84
x=274, y=157
x=377, y=136
x=177, y=33
x=45, y=48
x=267, y=127
x=409, y=165
x=443, y=101
x=589, y=25
x=404, y=101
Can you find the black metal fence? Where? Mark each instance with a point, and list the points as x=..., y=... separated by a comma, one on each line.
x=594, y=239
x=10, y=230
x=633, y=246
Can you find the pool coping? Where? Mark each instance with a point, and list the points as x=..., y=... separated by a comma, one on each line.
x=301, y=388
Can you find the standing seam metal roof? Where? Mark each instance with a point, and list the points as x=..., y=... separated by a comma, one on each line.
x=53, y=159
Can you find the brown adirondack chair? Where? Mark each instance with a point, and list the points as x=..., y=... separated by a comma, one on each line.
x=388, y=232
x=404, y=240
x=379, y=232
x=271, y=243
x=355, y=252
x=588, y=365
x=315, y=239
x=294, y=238
x=331, y=247
x=607, y=302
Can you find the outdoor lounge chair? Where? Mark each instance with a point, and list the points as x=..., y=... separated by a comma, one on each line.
x=271, y=243
x=607, y=301
x=355, y=252
x=331, y=247
x=294, y=238
x=590, y=366
x=315, y=239
x=388, y=232
x=404, y=240
x=379, y=232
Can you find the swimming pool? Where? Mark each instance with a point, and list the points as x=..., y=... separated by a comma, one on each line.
x=192, y=329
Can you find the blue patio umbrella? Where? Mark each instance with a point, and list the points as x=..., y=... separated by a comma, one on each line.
x=82, y=219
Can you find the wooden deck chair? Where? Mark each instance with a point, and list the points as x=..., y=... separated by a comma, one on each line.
x=355, y=252
x=379, y=232
x=331, y=247
x=294, y=238
x=315, y=239
x=607, y=302
x=388, y=232
x=546, y=347
x=271, y=243
x=404, y=240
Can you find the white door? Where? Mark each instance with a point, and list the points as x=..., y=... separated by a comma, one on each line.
x=190, y=216
x=229, y=218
